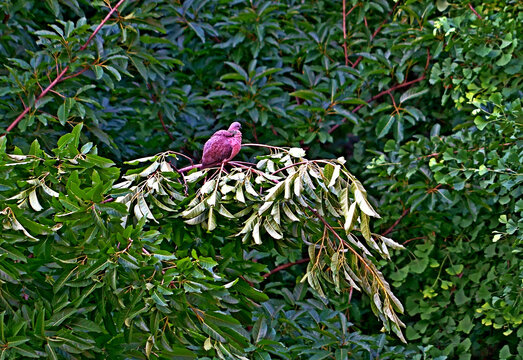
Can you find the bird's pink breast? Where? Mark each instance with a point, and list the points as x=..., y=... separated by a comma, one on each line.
x=236, y=143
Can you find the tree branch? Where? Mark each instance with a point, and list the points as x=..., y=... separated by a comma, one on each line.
x=345, y=35
x=474, y=11
x=345, y=14
x=416, y=238
x=26, y=110
x=188, y=168
x=84, y=46
x=285, y=266
x=80, y=72
x=389, y=230
x=160, y=116
x=60, y=76
x=385, y=92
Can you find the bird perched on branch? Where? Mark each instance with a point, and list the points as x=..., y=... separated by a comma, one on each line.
x=222, y=146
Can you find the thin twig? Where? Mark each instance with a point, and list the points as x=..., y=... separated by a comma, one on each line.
x=80, y=72
x=182, y=155
x=242, y=162
x=285, y=266
x=416, y=238
x=160, y=116
x=26, y=110
x=345, y=35
x=84, y=46
x=291, y=165
x=389, y=230
x=385, y=92
x=345, y=243
x=250, y=168
x=474, y=11
x=154, y=98
x=188, y=168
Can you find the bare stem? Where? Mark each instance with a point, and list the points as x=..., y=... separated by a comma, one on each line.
x=160, y=116
x=345, y=36
x=188, y=168
x=285, y=266
x=385, y=92
x=474, y=11
x=42, y=94
x=389, y=230
x=84, y=46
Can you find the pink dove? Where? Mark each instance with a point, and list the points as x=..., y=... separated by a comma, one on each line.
x=222, y=146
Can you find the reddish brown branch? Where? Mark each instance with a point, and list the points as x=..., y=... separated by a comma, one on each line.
x=345, y=34
x=154, y=98
x=389, y=230
x=80, y=72
x=46, y=90
x=160, y=116
x=384, y=92
x=416, y=238
x=188, y=168
x=474, y=11
x=274, y=130
x=84, y=46
x=60, y=76
x=428, y=60
x=285, y=266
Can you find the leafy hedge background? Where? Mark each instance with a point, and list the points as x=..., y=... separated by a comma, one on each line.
x=422, y=98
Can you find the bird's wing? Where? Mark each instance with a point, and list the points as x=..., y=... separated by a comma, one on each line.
x=216, y=149
x=225, y=133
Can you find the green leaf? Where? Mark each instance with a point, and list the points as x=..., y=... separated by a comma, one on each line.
x=504, y=59
x=62, y=114
x=113, y=71
x=480, y=122
x=442, y=5
x=239, y=70
x=460, y=298
x=504, y=353
x=198, y=30
x=98, y=71
x=348, y=114
x=384, y=125
x=305, y=94
x=412, y=93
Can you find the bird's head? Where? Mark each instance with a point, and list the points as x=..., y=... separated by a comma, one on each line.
x=235, y=126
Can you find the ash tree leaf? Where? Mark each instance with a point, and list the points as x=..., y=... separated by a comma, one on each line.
x=33, y=200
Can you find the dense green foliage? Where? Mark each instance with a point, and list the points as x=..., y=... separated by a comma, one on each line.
x=422, y=98
x=82, y=276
